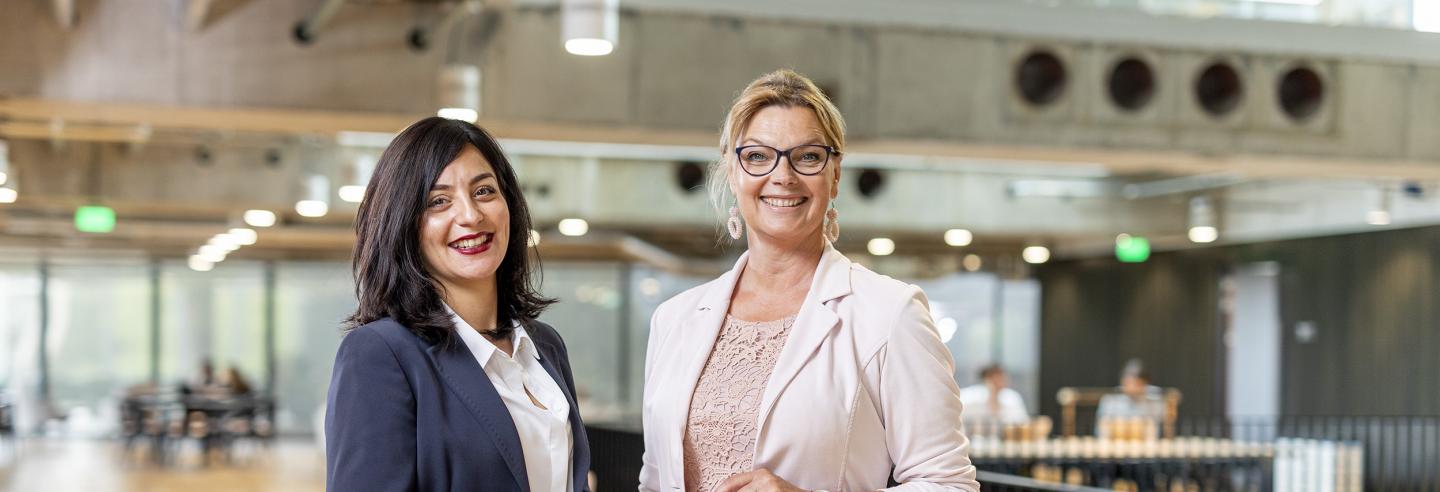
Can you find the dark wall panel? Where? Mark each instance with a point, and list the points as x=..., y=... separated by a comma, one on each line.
x=1097, y=314
x=1372, y=299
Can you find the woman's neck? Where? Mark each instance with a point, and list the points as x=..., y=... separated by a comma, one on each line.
x=774, y=267
x=474, y=302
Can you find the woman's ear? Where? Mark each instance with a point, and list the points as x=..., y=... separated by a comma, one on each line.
x=730, y=179
x=835, y=182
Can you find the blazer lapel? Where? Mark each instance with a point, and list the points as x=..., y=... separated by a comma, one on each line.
x=700, y=329
x=580, y=462
x=816, y=320
x=464, y=376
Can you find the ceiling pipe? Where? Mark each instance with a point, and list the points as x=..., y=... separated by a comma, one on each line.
x=196, y=12
x=64, y=12
x=307, y=29
x=1185, y=184
x=421, y=37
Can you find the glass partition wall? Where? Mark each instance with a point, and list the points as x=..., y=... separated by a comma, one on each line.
x=115, y=325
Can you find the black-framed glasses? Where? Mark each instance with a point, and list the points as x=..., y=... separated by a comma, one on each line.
x=760, y=160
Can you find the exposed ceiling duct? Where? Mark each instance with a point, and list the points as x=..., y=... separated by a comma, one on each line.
x=64, y=13
x=307, y=30
x=197, y=12
x=421, y=37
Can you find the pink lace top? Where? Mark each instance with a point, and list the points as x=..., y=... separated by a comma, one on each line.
x=721, y=429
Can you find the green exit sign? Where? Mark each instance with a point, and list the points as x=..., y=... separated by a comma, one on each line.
x=1132, y=249
x=95, y=218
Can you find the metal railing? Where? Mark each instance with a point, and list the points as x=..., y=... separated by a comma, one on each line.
x=1000, y=482
x=1259, y=454
x=1279, y=453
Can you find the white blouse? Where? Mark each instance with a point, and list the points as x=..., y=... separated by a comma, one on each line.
x=544, y=433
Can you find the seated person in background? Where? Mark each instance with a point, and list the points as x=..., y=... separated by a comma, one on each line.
x=203, y=382
x=205, y=375
x=235, y=382
x=1134, y=413
x=992, y=403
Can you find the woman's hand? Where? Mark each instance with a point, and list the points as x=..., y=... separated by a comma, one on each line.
x=757, y=481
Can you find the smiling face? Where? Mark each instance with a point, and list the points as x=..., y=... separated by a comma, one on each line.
x=784, y=207
x=465, y=228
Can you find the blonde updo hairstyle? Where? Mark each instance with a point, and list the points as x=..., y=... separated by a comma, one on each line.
x=785, y=88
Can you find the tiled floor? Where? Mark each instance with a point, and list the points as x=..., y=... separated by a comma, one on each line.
x=64, y=465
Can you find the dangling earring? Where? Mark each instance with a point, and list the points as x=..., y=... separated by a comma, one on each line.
x=736, y=229
x=832, y=223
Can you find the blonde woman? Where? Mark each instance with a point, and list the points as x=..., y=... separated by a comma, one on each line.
x=796, y=370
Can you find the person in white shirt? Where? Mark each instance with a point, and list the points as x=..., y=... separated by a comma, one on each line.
x=1137, y=404
x=446, y=379
x=991, y=402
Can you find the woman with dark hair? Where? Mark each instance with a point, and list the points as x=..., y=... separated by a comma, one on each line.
x=445, y=380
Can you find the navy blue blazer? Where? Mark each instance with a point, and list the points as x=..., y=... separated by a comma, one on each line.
x=405, y=414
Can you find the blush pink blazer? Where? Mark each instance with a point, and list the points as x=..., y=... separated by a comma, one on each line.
x=863, y=386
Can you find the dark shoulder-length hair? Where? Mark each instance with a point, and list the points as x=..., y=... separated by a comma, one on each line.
x=390, y=275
